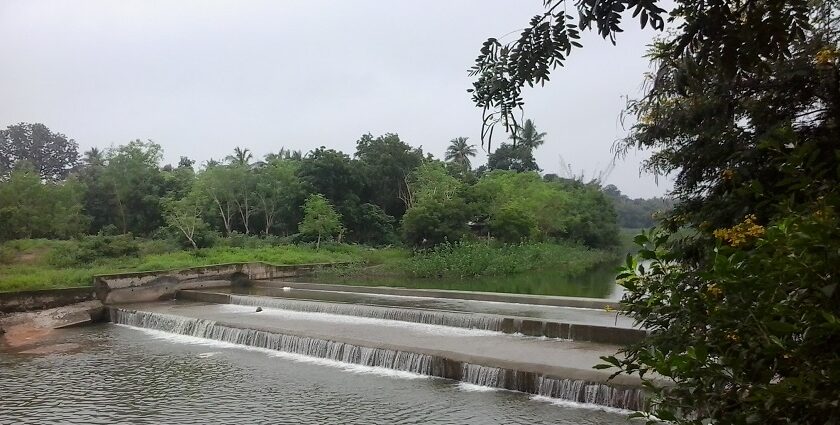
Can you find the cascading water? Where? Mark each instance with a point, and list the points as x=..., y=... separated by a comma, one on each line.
x=565, y=389
x=348, y=353
x=443, y=318
x=591, y=392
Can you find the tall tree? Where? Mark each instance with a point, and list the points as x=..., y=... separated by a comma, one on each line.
x=135, y=184
x=240, y=157
x=512, y=157
x=460, y=151
x=53, y=155
x=386, y=161
x=528, y=136
x=220, y=189
x=277, y=191
x=31, y=208
x=184, y=215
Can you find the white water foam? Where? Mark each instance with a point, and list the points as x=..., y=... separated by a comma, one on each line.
x=473, y=388
x=300, y=358
x=578, y=405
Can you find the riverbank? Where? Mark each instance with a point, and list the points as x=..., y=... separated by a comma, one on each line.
x=47, y=264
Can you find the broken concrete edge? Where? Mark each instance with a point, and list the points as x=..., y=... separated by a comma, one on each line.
x=549, y=300
x=40, y=299
x=162, y=284
x=454, y=361
x=510, y=324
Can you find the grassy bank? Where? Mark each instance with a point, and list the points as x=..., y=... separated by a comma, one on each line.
x=42, y=264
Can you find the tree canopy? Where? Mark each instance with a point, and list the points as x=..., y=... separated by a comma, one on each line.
x=739, y=289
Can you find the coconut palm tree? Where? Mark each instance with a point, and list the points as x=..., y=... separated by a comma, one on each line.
x=528, y=136
x=240, y=156
x=94, y=158
x=459, y=151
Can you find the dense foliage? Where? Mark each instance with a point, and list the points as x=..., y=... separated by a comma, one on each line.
x=637, y=213
x=385, y=193
x=740, y=286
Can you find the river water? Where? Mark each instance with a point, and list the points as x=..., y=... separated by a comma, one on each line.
x=120, y=374
x=597, y=282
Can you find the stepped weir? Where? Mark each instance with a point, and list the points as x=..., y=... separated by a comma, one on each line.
x=547, y=348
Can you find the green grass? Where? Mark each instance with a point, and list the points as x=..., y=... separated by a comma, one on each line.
x=45, y=264
x=30, y=266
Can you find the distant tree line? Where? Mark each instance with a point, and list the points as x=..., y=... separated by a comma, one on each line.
x=387, y=192
x=637, y=213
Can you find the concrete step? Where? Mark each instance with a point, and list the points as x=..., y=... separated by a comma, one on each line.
x=486, y=318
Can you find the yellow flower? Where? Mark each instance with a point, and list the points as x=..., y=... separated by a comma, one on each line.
x=714, y=290
x=741, y=233
x=826, y=56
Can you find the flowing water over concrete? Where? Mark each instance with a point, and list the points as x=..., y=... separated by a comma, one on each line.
x=443, y=318
x=565, y=314
x=137, y=376
x=505, y=361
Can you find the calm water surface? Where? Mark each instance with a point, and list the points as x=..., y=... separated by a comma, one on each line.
x=126, y=375
x=598, y=282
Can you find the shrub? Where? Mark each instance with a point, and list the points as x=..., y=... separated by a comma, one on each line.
x=89, y=249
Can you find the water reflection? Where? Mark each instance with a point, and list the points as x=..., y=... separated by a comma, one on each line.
x=598, y=282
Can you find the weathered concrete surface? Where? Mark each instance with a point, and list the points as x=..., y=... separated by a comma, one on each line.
x=599, y=316
x=546, y=357
x=32, y=332
x=510, y=324
x=42, y=299
x=577, y=302
x=162, y=284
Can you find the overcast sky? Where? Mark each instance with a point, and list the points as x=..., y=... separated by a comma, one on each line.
x=200, y=77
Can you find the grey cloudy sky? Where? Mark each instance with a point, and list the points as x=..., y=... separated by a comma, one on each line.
x=200, y=77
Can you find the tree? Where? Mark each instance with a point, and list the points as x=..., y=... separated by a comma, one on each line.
x=135, y=185
x=528, y=136
x=460, y=152
x=241, y=157
x=220, y=189
x=386, y=161
x=184, y=215
x=31, y=208
x=277, y=190
x=512, y=157
x=319, y=219
x=437, y=211
x=434, y=221
x=53, y=155
x=743, y=108
x=333, y=174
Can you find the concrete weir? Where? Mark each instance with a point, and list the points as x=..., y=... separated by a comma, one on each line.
x=553, y=368
x=510, y=324
x=161, y=284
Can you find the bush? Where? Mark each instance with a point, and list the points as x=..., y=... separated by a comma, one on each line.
x=435, y=221
x=89, y=249
x=513, y=224
x=751, y=334
x=467, y=259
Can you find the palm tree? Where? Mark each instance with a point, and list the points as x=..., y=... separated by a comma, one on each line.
x=240, y=156
x=528, y=136
x=459, y=151
x=94, y=158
